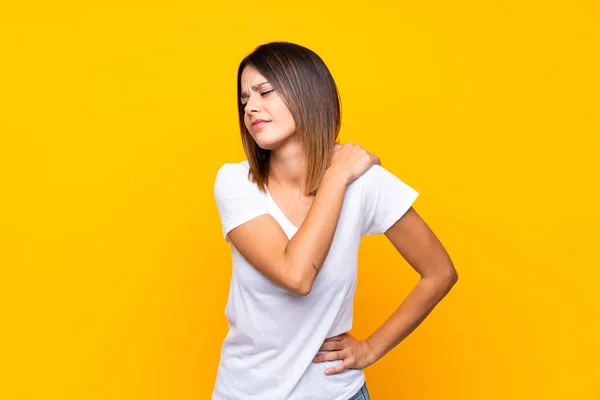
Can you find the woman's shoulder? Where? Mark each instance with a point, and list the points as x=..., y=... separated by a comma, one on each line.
x=233, y=169
x=240, y=165
x=232, y=180
x=372, y=175
x=378, y=179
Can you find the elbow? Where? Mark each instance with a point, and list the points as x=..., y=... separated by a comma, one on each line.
x=451, y=276
x=300, y=287
x=444, y=279
x=305, y=291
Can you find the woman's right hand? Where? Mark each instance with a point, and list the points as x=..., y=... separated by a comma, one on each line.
x=351, y=160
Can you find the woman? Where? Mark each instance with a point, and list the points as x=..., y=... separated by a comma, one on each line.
x=295, y=248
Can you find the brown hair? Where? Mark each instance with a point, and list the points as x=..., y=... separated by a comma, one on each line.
x=307, y=87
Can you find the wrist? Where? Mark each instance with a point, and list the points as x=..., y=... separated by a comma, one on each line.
x=372, y=353
x=338, y=174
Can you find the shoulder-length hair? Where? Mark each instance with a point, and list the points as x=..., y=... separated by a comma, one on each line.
x=307, y=87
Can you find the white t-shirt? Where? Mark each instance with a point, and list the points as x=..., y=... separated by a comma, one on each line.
x=274, y=334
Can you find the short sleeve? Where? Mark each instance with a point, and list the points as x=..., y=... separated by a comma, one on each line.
x=238, y=199
x=384, y=199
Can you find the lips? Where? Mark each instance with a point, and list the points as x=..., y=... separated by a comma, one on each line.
x=259, y=122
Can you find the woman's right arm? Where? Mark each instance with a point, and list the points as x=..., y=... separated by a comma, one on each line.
x=294, y=263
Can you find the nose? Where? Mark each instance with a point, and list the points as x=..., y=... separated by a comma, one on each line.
x=252, y=105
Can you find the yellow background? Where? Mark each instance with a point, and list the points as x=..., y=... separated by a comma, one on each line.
x=116, y=117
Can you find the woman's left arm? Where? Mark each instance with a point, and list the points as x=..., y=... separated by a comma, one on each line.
x=417, y=243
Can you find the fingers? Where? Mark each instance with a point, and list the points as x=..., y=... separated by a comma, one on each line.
x=332, y=345
x=356, y=157
x=338, y=338
x=375, y=159
x=330, y=356
x=338, y=368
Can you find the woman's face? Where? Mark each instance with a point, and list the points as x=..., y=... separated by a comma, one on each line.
x=262, y=102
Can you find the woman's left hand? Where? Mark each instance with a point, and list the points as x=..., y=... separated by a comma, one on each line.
x=357, y=354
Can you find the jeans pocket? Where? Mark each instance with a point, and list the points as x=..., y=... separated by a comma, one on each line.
x=358, y=396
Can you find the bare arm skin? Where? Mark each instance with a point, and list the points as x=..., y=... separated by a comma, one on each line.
x=415, y=241
x=289, y=263
x=293, y=264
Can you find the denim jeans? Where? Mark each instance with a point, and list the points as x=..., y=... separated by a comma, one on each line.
x=362, y=394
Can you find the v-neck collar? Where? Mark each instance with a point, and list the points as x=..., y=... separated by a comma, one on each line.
x=281, y=213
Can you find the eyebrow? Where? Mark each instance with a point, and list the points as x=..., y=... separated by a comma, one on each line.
x=255, y=87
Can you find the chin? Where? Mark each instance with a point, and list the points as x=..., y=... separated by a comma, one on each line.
x=269, y=143
x=272, y=140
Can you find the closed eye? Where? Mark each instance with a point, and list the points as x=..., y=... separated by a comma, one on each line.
x=262, y=94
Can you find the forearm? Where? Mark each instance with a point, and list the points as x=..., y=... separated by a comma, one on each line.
x=408, y=316
x=308, y=248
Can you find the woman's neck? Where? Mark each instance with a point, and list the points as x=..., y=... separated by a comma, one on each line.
x=287, y=169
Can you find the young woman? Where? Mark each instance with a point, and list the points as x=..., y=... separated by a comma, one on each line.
x=294, y=214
